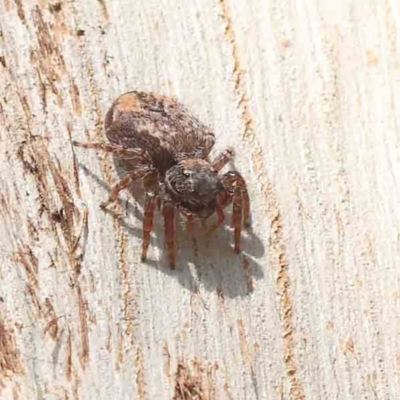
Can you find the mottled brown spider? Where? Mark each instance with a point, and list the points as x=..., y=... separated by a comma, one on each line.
x=167, y=148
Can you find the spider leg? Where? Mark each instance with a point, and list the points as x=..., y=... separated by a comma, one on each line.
x=149, y=208
x=246, y=207
x=112, y=148
x=190, y=217
x=237, y=204
x=233, y=179
x=168, y=211
x=189, y=224
x=219, y=206
x=241, y=203
x=222, y=159
x=118, y=187
x=125, y=182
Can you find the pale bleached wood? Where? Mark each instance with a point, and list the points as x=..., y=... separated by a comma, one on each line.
x=308, y=94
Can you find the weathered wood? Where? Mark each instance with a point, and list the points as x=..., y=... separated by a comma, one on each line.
x=308, y=94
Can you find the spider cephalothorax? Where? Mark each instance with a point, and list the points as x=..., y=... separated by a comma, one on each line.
x=194, y=184
x=161, y=143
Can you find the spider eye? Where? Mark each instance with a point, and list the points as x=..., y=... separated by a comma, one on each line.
x=187, y=173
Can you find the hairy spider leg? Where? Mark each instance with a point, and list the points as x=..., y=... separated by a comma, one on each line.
x=118, y=187
x=237, y=204
x=112, y=148
x=222, y=159
x=149, y=207
x=241, y=204
x=140, y=173
x=190, y=219
x=246, y=207
x=190, y=223
x=220, y=203
x=168, y=210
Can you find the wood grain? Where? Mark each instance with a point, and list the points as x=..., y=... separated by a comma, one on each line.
x=307, y=92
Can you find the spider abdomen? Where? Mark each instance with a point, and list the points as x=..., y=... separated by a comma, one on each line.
x=161, y=126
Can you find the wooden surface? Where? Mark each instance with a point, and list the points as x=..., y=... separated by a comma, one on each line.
x=308, y=94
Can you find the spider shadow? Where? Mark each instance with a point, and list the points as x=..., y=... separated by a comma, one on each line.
x=202, y=259
x=208, y=260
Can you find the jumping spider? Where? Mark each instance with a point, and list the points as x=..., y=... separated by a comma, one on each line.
x=167, y=148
